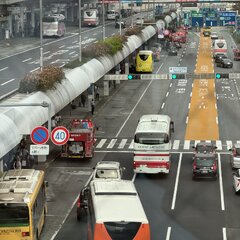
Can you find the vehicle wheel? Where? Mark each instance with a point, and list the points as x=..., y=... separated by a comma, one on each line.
x=78, y=217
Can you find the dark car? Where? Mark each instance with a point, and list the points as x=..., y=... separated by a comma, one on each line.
x=82, y=203
x=177, y=45
x=117, y=24
x=204, y=165
x=225, y=63
x=220, y=56
x=204, y=147
x=172, y=51
x=206, y=33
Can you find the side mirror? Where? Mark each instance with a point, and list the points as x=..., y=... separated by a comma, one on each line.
x=172, y=126
x=230, y=149
x=46, y=183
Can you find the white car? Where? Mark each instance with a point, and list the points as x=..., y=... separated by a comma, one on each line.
x=236, y=181
x=140, y=20
x=214, y=35
x=235, y=156
x=107, y=170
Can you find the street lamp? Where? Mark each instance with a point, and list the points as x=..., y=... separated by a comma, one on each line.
x=42, y=104
x=103, y=20
x=41, y=35
x=120, y=19
x=80, y=30
x=132, y=12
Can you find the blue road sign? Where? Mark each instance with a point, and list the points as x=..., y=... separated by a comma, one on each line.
x=39, y=135
x=227, y=18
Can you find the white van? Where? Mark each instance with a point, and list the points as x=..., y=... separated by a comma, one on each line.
x=111, y=14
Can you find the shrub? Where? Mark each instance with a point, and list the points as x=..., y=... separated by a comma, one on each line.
x=96, y=50
x=41, y=80
x=133, y=31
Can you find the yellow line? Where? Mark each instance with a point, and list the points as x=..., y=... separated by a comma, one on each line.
x=203, y=118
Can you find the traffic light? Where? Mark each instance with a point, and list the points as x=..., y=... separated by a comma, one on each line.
x=134, y=76
x=178, y=76
x=221, y=75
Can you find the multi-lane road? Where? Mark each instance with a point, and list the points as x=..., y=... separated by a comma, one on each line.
x=177, y=207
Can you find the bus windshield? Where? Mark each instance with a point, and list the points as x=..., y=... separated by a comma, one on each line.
x=14, y=214
x=122, y=230
x=49, y=19
x=90, y=13
x=151, y=138
x=144, y=57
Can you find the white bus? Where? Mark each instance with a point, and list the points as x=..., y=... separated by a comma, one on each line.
x=115, y=211
x=54, y=25
x=91, y=17
x=152, y=144
x=219, y=47
x=112, y=14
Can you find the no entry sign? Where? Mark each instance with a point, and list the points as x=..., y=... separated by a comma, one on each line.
x=39, y=135
x=60, y=135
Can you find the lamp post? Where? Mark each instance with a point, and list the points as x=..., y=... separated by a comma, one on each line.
x=120, y=19
x=103, y=20
x=41, y=34
x=132, y=13
x=43, y=104
x=80, y=30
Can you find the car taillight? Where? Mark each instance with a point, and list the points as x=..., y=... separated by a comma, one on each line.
x=134, y=165
x=194, y=166
x=167, y=165
x=214, y=167
x=78, y=203
x=234, y=153
x=25, y=234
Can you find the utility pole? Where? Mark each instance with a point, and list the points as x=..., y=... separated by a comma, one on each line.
x=41, y=35
x=80, y=30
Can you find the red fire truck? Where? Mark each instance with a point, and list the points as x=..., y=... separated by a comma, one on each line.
x=81, y=140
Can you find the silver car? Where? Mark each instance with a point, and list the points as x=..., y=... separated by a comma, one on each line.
x=235, y=156
x=236, y=181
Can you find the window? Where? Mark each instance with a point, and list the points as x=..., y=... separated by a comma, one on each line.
x=151, y=138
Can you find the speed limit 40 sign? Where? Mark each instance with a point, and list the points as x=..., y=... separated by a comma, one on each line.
x=60, y=135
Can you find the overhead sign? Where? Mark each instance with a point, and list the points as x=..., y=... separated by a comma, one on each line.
x=39, y=149
x=60, y=135
x=39, y=135
x=227, y=18
x=177, y=69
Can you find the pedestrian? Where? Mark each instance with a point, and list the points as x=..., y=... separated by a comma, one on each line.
x=17, y=163
x=58, y=119
x=53, y=122
x=97, y=94
x=83, y=99
x=92, y=106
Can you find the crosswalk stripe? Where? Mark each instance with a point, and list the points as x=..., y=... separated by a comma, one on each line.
x=112, y=143
x=208, y=141
x=186, y=144
x=131, y=145
x=122, y=143
x=229, y=144
x=176, y=144
x=101, y=143
x=219, y=145
x=196, y=142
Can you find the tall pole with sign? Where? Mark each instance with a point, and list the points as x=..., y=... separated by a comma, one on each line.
x=132, y=12
x=103, y=20
x=80, y=30
x=41, y=34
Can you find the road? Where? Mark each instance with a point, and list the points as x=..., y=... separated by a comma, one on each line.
x=177, y=207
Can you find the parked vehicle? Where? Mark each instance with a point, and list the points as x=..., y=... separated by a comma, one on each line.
x=214, y=35
x=225, y=63
x=207, y=31
x=235, y=156
x=172, y=51
x=112, y=14
x=54, y=25
x=220, y=56
x=204, y=165
x=236, y=181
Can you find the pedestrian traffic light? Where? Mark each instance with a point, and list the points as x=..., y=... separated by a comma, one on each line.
x=134, y=76
x=221, y=75
x=178, y=76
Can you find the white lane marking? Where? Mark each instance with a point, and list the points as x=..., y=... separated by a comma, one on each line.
x=189, y=105
x=101, y=143
x=62, y=65
x=191, y=94
x=176, y=183
x=219, y=145
x=62, y=46
x=186, y=144
x=187, y=120
x=46, y=52
x=221, y=183
x=162, y=106
x=113, y=34
x=168, y=233
x=170, y=85
x=25, y=60
x=238, y=142
x=75, y=41
x=208, y=141
x=229, y=144
x=224, y=234
x=167, y=94
x=176, y=144
x=133, y=109
x=94, y=34
x=215, y=105
x=96, y=41
x=3, y=69
x=7, y=94
x=217, y=120
x=131, y=144
x=8, y=81
x=71, y=53
x=122, y=143
x=134, y=176
x=192, y=85
x=159, y=68
x=35, y=69
x=112, y=143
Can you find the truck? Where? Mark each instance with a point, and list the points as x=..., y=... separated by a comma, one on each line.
x=81, y=140
x=179, y=36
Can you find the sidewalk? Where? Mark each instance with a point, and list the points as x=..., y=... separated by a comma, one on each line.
x=68, y=113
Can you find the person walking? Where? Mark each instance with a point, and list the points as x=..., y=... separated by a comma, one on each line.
x=83, y=100
x=97, y=94
x=17, y=163
x=53, y=122
x=58, y=119
x=92, y=106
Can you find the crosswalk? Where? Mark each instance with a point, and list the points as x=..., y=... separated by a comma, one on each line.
x=126, y=144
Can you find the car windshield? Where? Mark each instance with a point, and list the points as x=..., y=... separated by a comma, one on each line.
x=204, y=162
x=106, y=173
x=204, y=148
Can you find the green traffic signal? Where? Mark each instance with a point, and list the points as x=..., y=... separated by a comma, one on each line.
x=218, y=75
x=130, y=77
x=174, y=76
